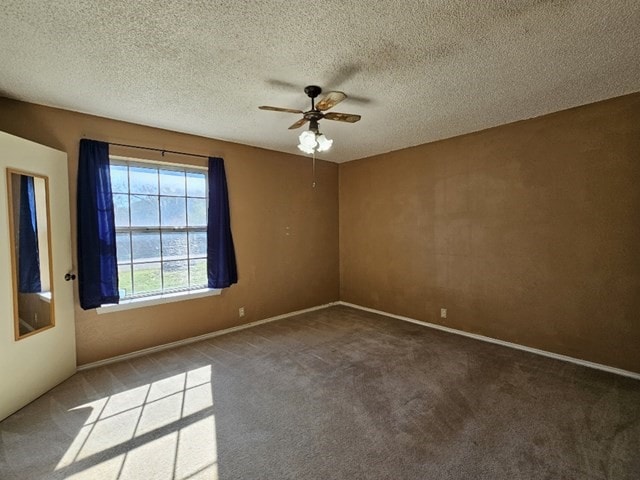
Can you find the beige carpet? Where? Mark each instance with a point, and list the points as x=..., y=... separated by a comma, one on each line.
x=333, y=394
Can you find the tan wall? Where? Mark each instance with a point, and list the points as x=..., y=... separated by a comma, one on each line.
x=285, y=231
x=34, y=310
x=528, y=232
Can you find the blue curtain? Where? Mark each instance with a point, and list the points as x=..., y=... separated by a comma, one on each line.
x=28, y=253
x=221, y=256
x=97, y=261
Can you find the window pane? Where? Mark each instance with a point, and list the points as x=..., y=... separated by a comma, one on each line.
x=197, y=244
x=198, y=272
x=143, y=180
x=197, y=212
x=123, y=247
x=146, y=246
x=119, y=178
x=176, y=275
x=144, y=211
x=172, y=182
x=196, y=184
x=124, y=281
x=173, y=212
x=147, y=278
x=121, y=207
x=174, y=245
x=159, y=197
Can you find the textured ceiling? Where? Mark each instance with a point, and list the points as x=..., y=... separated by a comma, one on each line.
x=415, y=70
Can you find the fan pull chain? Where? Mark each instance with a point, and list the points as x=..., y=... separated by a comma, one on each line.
x=313, y=167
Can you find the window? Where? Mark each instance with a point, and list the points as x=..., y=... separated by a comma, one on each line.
x=161, y=227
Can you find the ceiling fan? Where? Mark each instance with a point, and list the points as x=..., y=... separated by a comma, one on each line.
x=313, y=139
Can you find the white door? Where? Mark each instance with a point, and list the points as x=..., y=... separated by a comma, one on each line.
x=35, y=363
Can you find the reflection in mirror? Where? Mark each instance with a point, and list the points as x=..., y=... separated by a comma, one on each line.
x=30, y=252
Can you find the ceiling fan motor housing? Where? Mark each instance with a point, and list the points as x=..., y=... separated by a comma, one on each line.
x=313, y=124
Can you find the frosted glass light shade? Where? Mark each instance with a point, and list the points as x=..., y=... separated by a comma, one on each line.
x=306, y=149
x=324, y=143
x=308, y=139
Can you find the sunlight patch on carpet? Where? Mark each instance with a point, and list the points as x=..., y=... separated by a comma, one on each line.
x=162, y=430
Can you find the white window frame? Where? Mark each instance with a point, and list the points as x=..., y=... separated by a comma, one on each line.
x=171, y=295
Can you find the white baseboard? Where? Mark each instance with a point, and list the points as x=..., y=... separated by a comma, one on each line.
x=186, y=341
x=517, y=346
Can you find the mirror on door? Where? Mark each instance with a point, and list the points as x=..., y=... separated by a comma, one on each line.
x=30, y=252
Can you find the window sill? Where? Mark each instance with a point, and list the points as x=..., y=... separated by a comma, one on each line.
x=158, y=300
x=45, y=296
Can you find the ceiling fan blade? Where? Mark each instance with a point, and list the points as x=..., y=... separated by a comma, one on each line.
x=278, y=109
x=342, y=117
x=298, y=124
x=330, y=100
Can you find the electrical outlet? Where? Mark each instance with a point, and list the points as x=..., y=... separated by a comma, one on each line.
x=443, y=313
x=241, y=312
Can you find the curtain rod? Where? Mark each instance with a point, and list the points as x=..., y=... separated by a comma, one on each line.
x=161, y=150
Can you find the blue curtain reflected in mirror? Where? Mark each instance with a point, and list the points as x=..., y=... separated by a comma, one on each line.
x=28, y=251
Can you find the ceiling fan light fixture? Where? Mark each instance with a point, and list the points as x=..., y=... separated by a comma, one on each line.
x=311, y=141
